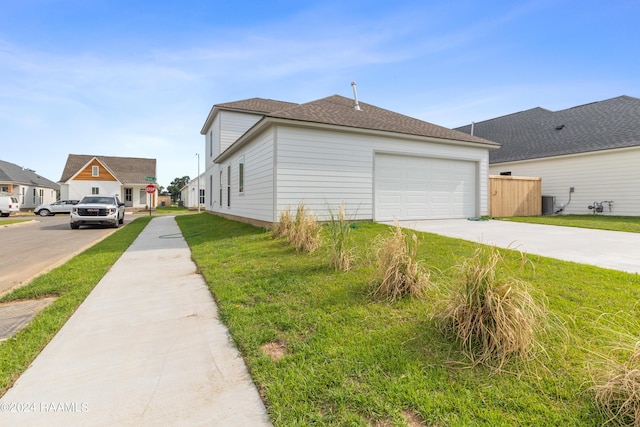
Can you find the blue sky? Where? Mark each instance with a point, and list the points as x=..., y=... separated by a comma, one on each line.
x=138, y=78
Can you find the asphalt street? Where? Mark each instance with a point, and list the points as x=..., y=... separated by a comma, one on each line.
x=39, y=245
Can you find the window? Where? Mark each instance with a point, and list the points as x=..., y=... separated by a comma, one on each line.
x=34, y=197
x=128, y=194
x=202, y=196
x=228, y=186
x=95, y=171
x=241, y=175
x=505, y=173
x=221, y=188
x=95, y=190
x=211, y=143
x=211, y=190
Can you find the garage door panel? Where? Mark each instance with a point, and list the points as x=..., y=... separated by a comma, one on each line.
x=424, y=188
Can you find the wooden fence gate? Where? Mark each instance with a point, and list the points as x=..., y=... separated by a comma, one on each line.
x=514, y=196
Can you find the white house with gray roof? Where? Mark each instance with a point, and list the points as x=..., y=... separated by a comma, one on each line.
x=593, y=149
x=126, y=177
x=26, y=185
x=265, y=156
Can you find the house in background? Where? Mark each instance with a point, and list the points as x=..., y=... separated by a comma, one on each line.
x=585, y=154
x=26, y=185
x=126, y=177
x=189, y=193
x=265, y=156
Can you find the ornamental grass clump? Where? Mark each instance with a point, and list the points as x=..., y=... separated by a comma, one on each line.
x=491, y=316
x=399, y=271
x=305, y=231
x=617, y=388
x=339, y=235
x=284, y=225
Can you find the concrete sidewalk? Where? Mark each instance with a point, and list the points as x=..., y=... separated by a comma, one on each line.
x=608, y=249
x=146, y=348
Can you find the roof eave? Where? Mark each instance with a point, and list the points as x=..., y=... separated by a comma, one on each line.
x=266, y=122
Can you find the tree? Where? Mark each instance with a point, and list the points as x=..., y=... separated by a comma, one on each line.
x=175, y=187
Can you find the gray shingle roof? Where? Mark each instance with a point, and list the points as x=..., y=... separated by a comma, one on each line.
x=12, y=173
x=128, y=170
x=257, y=105
x=538, y=133
x=340, y=111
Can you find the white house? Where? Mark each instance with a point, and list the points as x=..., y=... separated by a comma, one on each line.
x=265, y=156
x=189, y=193
x=585, y=154
x=126, y=177
x=26, y=185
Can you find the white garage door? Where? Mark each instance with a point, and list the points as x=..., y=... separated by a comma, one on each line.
x=409, y=188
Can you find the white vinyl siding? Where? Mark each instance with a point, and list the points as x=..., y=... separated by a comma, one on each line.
x=256, y=202
x=233, y=125
x=604, y=175
x=323, y=169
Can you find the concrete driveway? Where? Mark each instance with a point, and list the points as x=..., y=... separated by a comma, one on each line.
x=609, y=249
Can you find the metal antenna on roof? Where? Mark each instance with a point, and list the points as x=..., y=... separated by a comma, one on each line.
x=355, y=96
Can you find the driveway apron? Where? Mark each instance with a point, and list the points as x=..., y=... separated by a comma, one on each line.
x=608, y=249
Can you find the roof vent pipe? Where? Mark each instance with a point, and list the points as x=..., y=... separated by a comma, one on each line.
x=472, y=125
x=355, y=96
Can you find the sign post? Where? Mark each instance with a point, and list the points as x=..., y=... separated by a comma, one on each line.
x=150, y=190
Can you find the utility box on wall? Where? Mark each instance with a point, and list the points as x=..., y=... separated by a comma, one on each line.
x=548, y=205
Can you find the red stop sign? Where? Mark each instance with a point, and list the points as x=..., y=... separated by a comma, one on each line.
x=151, y=188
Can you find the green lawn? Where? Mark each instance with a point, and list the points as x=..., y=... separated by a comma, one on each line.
x=349, y=360
x=12, y=221
x=167, y=210
x=70, y=283
x=602, y=222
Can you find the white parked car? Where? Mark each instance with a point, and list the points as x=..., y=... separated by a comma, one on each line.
x=61, y=206
x=8, y=205
x=97, y=210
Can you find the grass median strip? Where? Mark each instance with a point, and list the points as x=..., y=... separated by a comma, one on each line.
x=323, y=352
x=629, y=224
x=69, y=284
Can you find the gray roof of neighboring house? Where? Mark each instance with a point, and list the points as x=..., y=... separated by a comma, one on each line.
x=12, y=173
x=127, y=170
x=340, y=111
x=540, y=133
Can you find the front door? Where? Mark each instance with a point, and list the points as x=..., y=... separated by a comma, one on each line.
x=128, y=197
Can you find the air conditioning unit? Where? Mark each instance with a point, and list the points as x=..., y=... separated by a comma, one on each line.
x=548, y=205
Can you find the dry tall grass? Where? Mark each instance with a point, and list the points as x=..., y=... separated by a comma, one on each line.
x=305, y=231
x=616, y=375
x=492, y=318
x=284, y=225
x=339, y=231
x=398, y=268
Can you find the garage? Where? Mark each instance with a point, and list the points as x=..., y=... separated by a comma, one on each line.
x=410, y=187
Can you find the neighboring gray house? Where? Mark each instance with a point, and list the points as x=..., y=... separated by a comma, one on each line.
x=126, y=177
x=593, y=149
x=264, y=156
x=26, y=185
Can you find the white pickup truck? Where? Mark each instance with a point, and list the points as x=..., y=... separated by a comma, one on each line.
x=97, y=210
